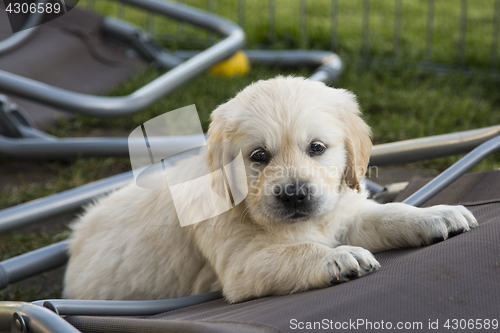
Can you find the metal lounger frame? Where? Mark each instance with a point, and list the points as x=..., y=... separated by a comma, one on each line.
x=234, y=39
x=29, y=264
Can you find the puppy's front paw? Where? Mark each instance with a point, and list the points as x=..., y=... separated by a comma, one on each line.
x=345, y=263
x=443, y=221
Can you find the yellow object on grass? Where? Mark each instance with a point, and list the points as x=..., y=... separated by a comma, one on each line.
x=238, y=64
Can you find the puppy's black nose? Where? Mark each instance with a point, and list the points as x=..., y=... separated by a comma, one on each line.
x=294, y=195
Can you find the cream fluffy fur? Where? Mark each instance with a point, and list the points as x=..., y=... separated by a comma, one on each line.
x=130, y=245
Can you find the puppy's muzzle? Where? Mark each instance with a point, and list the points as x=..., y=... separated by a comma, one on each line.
x=294, y=197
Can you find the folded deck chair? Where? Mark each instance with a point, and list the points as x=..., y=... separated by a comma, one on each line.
x=449, y=284
x=68, y=53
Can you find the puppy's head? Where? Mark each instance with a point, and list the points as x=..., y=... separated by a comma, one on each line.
x=303, y=143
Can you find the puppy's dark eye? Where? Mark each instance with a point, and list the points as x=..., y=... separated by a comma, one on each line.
x=316, y=148
x=258, y=155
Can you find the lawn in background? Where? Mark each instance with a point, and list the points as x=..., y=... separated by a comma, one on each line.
x=289, y=29
x=399, y=99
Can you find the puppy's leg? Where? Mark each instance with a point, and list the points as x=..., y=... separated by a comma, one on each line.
x=253, y=270
x=380, y=227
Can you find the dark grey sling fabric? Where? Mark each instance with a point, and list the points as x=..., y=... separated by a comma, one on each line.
x=458, y=279
x=68, y=52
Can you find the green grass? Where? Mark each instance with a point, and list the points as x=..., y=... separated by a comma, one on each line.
x=400, y=100
x=21, y=243
x=349, y=27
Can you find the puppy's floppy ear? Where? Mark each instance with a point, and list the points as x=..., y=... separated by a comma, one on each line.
x=218, y=134
x=358, y=143
x=218, y=130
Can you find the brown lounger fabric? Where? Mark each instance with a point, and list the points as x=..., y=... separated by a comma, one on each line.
x=455, y=279
x=68, y=53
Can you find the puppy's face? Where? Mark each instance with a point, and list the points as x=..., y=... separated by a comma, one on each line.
x=303, y=144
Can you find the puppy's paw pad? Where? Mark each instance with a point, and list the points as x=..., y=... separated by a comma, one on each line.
x=456, y=232
x=436, y=239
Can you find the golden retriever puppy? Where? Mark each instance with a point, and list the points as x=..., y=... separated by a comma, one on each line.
x=306, y=221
